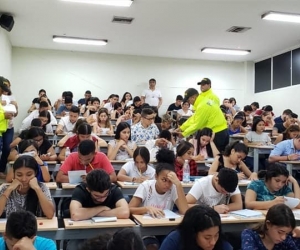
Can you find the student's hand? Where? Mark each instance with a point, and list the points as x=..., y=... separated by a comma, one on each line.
x=278, y=200
x=221, y=209
x=155, y=212
x=24, y=244
x=33, y=183
x=291, y=179
x=212, y=137
x=63, y=113
x=83, y=178
x=296, y=232
x=38, y=159
x=141, y=179
x=3, y=102
x=8, y=116
x=253, y=176
x=173, y=178
x=45, y=157
x=15, y=185
x=293, y=157
x=161, y=142
x=241, y=176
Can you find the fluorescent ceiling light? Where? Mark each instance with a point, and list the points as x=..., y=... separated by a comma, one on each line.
x=122, y=3
x=78, y=40
x=236, y=52
x=283, y=17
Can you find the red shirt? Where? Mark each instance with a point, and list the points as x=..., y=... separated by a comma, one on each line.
x=178, y=169
x=73, y=142
x=100, y=161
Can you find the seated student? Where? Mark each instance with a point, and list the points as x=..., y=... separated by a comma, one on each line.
x=110, y=104
x=236, y=125
x=184, y=152
x=91, y=107
x=45, y=148
x=281, y=119
x=281, y=127
x=176, y=105
x=127, y=117
x=25, y=192
x=36, y=122
x=290, y=133
x=233, y=158
x=219, y=191
x=153, y=196
x=85, y=159
x=271, y=187
x=200, y=228
x=67, y=123
x=96, y=197
x=256, y=137
x=255, y=107
x=184, y=111
x=45, y=117
x=35, y=114
x=288, y=150
x=82, y=101
x=267, y=117
x=66, y=107
x=139, y=169
x=145, y=129
x=166, y=123
x=117, y=111
x=126, y=100
x=121, y=147
x=229, y=107
x=274, y=232
x=248, y=113
x=204, y=146
x=84, y=132
x=60, y=102
x=102, y=124
x=26, y=147
x=267, y=108
x=36, y=101
x=164, y=141
x=21, y=233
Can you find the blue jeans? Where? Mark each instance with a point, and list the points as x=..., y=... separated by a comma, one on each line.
x=6, y=140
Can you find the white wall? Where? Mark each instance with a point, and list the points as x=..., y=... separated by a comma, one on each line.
x=5, y=55
x=103, y=74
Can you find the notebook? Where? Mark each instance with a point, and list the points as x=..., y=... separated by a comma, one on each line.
x=104, y=219
x=75, y=176
x=247, y=213
x=168, y=215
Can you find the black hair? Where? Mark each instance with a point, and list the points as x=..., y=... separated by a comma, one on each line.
x=287, y=112
x=152, y=80
x=228, y=179
x=197, y=219
x=36, y=122
x=32, y=201
x=278, y=215
x=124, y=97
x=75, y=109
x=232, y=99
x=77, y=124
x=97, y=243
x=204, y=132
x=273, y=170
x=143, y=152
x=268, y=108
x=290, y=129
x=68, y=99
x=25, y=144
x=21, y=224
x=35, y=132
x=256, y=120
x=121, y=126
x=117, y=105
x=247, y=108
x=42, y=90
x=98, y=180
x=45, y=114
x=84, y=129
x=165, y=155
x=237, y=146
x=44, y=104
x=166, y=134
x=293, y=115
x=255, y=104
x=183, y=147
x=67, y=94
x=160, y=166
x=179, y=98
x=104, y=110
x=147, y=111
x=94, y=99
x=86, y=147
x=125, y=239
x=243, y=115
x=88, y=92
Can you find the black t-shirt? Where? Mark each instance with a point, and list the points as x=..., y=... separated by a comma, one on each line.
x=44, y=147
x=280, y=127
x=173, y=107
x=83, y=196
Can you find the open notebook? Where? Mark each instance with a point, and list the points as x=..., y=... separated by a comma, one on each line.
x=247, y=213
x=104, y=219
x=75, y=176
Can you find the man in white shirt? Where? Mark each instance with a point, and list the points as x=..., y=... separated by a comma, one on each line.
x=67, y=123
x=35, y=114
x=152, y=96
x=221, y=191
x=110, y=105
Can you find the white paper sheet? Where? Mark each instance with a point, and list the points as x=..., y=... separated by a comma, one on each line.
x=75, y=176
x=168, y=215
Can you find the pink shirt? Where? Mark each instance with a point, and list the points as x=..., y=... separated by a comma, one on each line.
x=100, y=161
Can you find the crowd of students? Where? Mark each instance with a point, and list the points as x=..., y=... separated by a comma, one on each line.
x=142, y=135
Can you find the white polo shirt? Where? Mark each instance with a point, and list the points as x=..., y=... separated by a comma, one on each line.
x=67, y=125
x=152, y=96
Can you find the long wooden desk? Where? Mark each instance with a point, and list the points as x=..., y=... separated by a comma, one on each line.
x=52, y=165
x=291, y=165
x=258, y=150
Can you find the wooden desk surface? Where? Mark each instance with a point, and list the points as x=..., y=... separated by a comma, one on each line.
x=68, y=186
x=291, y=162
x=156, y=222
x=261, y=146
x=90, y=224
x=124, y=186
x=51, y=185
x=48, y=162
x=43, y=224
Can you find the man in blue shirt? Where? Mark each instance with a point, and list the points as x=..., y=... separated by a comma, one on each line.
x=20, y=233
x=288, y=150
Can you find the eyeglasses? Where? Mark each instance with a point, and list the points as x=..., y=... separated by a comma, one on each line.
x=98, y=197
x=38, y=140
x=149, y=119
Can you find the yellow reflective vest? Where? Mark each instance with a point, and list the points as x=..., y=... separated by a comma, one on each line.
x=3, y=121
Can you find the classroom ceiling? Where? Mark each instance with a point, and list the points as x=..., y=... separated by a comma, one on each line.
x=161, y=28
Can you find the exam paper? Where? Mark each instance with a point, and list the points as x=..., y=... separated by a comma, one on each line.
x=168, y=215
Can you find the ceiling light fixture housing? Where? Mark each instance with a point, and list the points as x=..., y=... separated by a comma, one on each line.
x=79, y=40
x=120, y=3
x=281, y=16
x=235, y=52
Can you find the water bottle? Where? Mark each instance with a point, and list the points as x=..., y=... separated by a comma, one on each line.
x=186, y=172
x=67, y=153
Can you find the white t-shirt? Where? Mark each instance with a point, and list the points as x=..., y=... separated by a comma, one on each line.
x=152, y=96
x=150, y=145
x=252, y=136
x=122, y=154
x=147, y=192
x=8, y=99
x=205, y=193
x=108, y=106
x=67, y=125
x=182, y=113
x=132, y=171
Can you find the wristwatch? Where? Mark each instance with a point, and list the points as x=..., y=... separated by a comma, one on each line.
x=133, y=179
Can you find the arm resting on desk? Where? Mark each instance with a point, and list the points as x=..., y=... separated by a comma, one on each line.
x=121, y=211
x=46, y=204
x=135, y=208
x=61, y=177
x=236, y=202
x=251, y=203
x=79, y=213
x=275, y=158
